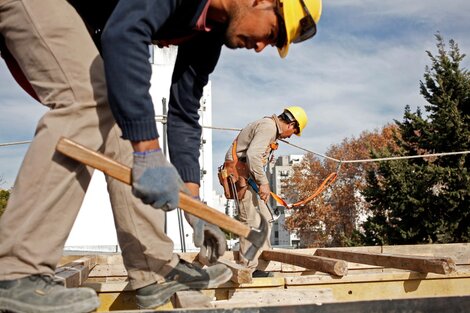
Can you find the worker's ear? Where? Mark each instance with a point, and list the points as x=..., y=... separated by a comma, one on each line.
x=293, y=125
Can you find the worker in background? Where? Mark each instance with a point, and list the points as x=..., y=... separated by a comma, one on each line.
x=49, y=48
x=249, y=154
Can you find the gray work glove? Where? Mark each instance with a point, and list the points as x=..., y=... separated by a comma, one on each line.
x=208, y=237
x=155, y=180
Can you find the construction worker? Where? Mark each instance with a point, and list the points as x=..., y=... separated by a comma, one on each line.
x=251, y=151
x=49, y=49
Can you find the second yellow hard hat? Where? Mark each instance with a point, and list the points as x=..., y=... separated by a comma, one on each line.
x=299, y=115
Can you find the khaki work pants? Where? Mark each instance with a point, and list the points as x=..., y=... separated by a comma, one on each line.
x=251, y=206
x=52, y=46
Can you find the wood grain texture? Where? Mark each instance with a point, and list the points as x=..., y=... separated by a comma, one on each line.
x=422, y=264
x=322, y=264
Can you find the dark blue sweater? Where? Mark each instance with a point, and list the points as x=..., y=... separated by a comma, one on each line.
x=131, y=28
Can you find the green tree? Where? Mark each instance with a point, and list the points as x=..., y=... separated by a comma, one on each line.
x=332, y=218
x=4, y=195
x=427, y=200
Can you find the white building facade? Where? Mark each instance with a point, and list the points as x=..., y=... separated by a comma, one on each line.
x=277, y=174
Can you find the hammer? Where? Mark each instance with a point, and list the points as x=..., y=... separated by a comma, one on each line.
x=110, y=167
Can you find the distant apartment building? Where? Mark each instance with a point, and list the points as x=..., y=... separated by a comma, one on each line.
x=277, y=174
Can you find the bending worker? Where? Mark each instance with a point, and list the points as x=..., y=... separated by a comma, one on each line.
x=50, y=51
x=248, y=155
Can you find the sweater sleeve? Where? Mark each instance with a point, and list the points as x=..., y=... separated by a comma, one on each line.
x=125, y=47
x=196, y=60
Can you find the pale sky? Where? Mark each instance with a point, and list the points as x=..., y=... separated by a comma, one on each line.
x=357, y=74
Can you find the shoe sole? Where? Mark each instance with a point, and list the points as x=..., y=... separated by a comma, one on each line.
x=217, y=281
x=161, y=297
x=78, y=307
x=168, y=289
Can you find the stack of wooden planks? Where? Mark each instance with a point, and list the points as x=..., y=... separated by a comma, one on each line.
x=301, y=277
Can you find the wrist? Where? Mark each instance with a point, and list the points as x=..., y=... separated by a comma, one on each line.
x=145, y=145
x=147, y=152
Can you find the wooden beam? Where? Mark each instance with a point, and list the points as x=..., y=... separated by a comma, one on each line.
x=192, y=299
x=240, y=274
x=122, y=173
x=316, y=263
x=284, y=297
x=422, y=264
x=75, y=273
x=108, y=270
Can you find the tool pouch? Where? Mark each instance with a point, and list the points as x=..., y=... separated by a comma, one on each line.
x=224, y=182
x=233, y=173
x=242, y=184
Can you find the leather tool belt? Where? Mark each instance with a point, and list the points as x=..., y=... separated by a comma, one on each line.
x=232, y=177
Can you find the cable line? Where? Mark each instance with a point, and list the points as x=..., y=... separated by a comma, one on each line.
x=327, y=182
x=14, y=143
x=163, y=119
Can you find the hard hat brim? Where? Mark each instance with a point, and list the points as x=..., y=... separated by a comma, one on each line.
x=292, y=12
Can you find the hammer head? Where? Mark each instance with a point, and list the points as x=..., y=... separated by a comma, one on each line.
x=257, y=237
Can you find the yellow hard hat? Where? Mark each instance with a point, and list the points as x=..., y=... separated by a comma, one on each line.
x=299, y=115
x=300, y=19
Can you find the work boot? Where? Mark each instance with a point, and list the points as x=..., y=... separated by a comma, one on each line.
x=41, y=294
x=184, y=276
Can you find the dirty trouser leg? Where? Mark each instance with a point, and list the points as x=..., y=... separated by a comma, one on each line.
x=249, y=215
x=51, y=45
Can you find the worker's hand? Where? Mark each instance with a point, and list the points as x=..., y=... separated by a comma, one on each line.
x=208, y=237
x=155, y=180
x=264, y=192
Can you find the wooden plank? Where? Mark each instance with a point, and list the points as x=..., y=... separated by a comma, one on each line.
x=110, y=258
x=108, y=286
x=258, y=283
x=189, y=257
x=88, y=260
x=269, y=266
x=122, y=173
x=72, y=276
x=317, y=263
x=440, y=265
x=399, y=275
x=125, y=302
x=459, y=252
x=261, y=298
x=349, y=288
x=240, y=274
x=428, y=305
x=65, y=259
x=386, y=286
x=352, y=267
x=75, y=273
x=108, y=270
x=192, y=299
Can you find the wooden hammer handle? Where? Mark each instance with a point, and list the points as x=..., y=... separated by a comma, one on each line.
x=123, y=173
